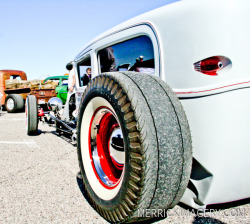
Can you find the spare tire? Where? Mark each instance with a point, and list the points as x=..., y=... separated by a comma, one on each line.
x=14, y=103
x=31, y=111
x=134, y=146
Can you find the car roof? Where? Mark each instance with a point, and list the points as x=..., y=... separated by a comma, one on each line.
x=57, y=77
x=145, y=18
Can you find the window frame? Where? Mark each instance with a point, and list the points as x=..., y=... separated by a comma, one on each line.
x=118, y=36
x=85, y=57
x=127, y=33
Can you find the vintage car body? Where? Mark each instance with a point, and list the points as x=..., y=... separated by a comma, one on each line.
x=164, y=115
x=62, y=88
x=5, y=75
x=217, y=106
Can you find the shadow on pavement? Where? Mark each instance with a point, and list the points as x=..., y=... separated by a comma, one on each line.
x=229, y=204
x=212, y=209
x=205, y=220
x=39, y=132
x=219, y=206
x=81, y=186
x=62, y=136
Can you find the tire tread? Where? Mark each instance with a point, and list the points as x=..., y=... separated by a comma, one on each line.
x=144, y=186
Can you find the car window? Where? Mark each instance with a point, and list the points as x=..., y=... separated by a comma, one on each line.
x=16, y=77
x=52, y=80
x=136, y=54
x=65, y=82
x=84, y=71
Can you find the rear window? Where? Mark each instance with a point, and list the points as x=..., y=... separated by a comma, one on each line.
x=136, y=54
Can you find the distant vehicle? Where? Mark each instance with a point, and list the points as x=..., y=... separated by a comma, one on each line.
x=165, y=117
x=12, y=101
x=15, y=88
x=62, y=88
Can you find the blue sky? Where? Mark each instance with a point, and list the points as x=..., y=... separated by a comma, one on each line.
x=41, y=37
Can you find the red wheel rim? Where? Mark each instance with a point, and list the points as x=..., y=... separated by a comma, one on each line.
x=106, y=147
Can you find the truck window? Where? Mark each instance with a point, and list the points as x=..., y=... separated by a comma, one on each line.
x=84, y=71
x=136, y=54
x=16, y=77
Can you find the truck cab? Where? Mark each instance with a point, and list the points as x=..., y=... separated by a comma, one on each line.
x=10, y=75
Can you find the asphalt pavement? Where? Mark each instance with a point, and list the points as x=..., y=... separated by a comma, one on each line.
x=38, y=182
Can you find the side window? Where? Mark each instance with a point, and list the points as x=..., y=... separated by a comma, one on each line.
x=136, y=54
x=84, y=71
x=65, y=82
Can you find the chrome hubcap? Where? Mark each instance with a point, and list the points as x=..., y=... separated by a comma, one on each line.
x=10, y=104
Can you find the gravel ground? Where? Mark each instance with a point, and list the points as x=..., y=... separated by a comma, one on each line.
x=38, y=182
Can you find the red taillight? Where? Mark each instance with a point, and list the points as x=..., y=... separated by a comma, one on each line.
x=40, y=112
x=211, y=66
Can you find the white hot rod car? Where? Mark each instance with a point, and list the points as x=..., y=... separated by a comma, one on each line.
x=166, y=116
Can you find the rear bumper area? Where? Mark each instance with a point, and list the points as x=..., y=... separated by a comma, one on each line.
x=220, y=129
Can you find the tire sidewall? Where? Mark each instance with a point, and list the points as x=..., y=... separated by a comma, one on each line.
x=31, y=115
x=26, y=115
x=114, y=202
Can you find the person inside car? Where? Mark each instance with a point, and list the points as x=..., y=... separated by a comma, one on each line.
x=87, y=77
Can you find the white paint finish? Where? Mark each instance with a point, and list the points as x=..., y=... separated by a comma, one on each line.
x=28, y=142
x=220, y=127
x=187, y=32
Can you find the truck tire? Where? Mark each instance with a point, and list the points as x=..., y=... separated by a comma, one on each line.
x=14, y=103
x=31, y=112
x=134, y=146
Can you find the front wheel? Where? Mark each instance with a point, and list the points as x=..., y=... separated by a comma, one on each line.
x=134, y=146
x=31, y=111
